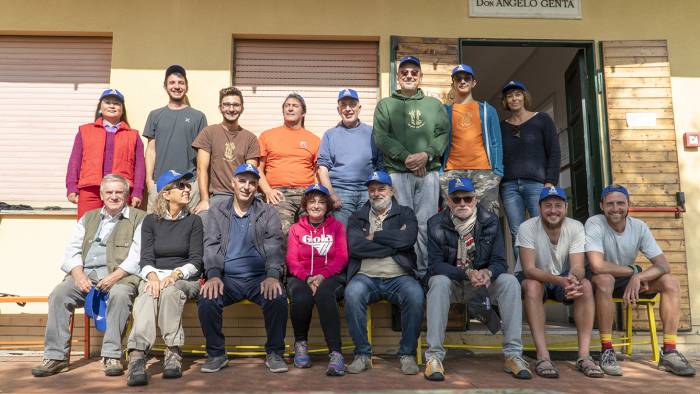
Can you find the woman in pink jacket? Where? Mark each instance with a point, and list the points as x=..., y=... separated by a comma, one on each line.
x=317, y=255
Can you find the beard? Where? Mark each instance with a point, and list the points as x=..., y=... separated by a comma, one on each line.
x=380, y=204
x=464, y=213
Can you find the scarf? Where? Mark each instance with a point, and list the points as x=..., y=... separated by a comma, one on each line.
x=466, y=249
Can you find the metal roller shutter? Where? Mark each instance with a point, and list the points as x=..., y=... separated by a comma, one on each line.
x=48, y=87
x=266, y=71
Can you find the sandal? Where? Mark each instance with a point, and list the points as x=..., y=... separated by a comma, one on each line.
x=546, y=369
x=588, y=367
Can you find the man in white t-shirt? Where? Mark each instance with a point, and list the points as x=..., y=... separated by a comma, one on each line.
x=613, y=241
x=551, y=266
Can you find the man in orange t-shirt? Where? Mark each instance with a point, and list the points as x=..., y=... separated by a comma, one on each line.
x=474, y=150
x=288, y=161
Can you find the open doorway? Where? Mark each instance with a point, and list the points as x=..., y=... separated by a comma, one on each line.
x=561, y=79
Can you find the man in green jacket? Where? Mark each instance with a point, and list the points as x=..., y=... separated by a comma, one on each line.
x=411, y=130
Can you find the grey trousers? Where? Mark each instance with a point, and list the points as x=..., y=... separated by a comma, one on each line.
x=505, y=292
x=420, y=194
x=62, y=302
x=166, y=310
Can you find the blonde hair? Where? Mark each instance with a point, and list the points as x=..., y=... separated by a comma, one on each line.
x=161, y=208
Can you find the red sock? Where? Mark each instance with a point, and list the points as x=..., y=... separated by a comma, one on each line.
x=605, y=342
x=669, y=343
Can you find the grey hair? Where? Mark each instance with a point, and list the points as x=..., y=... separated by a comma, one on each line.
x=114, y=178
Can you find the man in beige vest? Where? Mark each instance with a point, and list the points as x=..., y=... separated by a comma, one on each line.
x=104, y=252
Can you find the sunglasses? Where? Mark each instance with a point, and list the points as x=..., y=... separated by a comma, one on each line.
x=516, y=131
x=405, y=73
x=465, y=199
x=462, y=77
x=181, y=186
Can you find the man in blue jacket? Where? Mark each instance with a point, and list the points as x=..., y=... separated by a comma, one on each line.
x=382, y=266
x=466, y=252
x=474, y=149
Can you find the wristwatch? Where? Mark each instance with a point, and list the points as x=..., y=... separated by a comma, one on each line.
x=179, y=273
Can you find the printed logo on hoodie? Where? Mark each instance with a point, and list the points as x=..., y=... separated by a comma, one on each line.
x=322, y=243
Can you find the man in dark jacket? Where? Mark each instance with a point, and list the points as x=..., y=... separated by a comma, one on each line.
x=466, y=252
x=243, y=260
x=382, y=266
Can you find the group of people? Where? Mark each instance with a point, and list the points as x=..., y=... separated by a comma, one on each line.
x=290, y=221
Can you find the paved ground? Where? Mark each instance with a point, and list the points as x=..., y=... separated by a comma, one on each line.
x=472, y=373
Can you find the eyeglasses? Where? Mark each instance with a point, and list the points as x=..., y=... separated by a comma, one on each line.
x=462, y=77
x=405, y=73
x=181, y=186
x=465, y=199
x=231, y=105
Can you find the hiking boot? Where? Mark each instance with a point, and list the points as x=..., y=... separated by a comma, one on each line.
x=434, y=370
x=49, y=367
x=675, y=363
x=214, y=364
x=336, y=366
x=301, y=355
x=172, y=363
x=362, y=362
x=113, y=366
x=518, y=367
x=275, y=363
x=408, y=365
x=608, y=363
x=137, y=375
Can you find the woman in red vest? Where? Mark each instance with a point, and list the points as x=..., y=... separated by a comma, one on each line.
x=106, y=146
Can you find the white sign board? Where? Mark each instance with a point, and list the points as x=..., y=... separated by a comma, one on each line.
x=641, y=119
x=540, y=9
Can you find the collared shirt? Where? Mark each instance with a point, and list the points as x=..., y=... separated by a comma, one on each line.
x=74, y=250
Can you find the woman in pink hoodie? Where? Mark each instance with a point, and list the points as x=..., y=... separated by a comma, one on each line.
x=317, y=255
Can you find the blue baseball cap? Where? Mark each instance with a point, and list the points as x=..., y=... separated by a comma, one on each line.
x=614, y=188
x=113, y=93
x=316, y=187
x=96, y=308
x=350, y=93
x=460, y=185
x=175, y=69
x=171, y=176
x=554, y=191
x=513, y=85
x=409, y=59
x=379, y=176
x=247, y=168
x=463, y=68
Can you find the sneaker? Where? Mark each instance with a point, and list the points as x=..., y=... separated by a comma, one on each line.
x=113, y=366
x=362, y=362
x=137, y=375
x=301, y=355
x=336, y=366
x=608, y=363
x=675, y=363
x=49, y=367
x=518, y=367
x=275, y=363
x=172, y=363
x=434, y=370
x=408, y=365
x=214, y=364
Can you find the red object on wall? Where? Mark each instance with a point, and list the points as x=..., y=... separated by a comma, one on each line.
x=691, y=140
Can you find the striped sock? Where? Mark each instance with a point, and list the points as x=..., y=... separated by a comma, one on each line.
x=605, y=342
x=669, y=343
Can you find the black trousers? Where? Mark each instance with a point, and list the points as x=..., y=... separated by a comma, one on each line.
x=274, y=311
x=326, y=301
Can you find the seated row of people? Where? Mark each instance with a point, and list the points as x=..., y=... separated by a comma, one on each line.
x=120, y=251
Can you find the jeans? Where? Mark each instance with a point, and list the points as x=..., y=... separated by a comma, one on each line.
x=518, y=195
x=504, y=292
x=326, y=301
x=352, y=201
x=404, y=291
x=420, y=194
x=274, y=311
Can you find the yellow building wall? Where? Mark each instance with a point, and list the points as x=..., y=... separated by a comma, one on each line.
x=149, y=35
